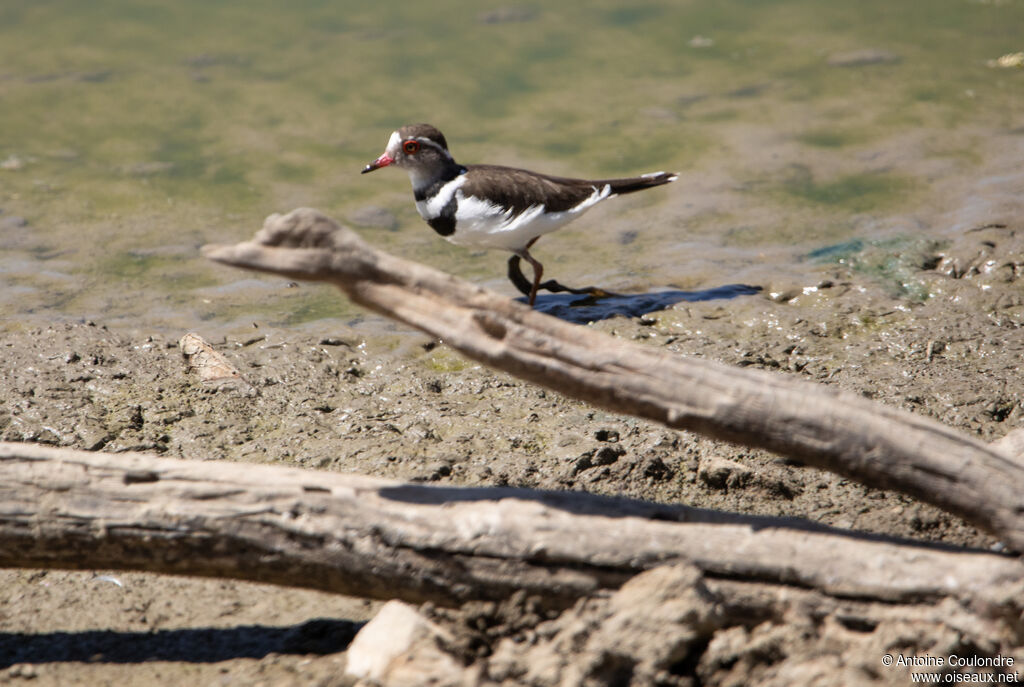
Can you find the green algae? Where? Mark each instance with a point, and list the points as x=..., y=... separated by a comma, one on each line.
x=851, y=192
x=155, y=120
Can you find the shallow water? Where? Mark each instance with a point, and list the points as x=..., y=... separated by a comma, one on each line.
x=131, y=133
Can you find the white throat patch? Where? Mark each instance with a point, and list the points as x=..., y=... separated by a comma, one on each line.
x=431, y=207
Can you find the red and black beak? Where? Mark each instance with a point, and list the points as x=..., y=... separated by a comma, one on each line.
x=382, y=161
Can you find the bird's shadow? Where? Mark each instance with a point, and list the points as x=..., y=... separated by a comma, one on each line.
x=582, y=309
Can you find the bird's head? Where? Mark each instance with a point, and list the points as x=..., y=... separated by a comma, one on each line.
x=417, y=148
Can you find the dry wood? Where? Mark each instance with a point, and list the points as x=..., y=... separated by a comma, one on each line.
x=383, y=539
x=846, y=434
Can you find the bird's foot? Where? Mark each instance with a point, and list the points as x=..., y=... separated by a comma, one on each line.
x=592, y=293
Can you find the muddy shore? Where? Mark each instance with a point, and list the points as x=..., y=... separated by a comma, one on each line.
x=407, y=407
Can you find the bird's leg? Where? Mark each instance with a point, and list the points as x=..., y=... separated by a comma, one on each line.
x=530, y=290
x=525, y=286
x=538, y=272
x=515, y=274
x=554, y=287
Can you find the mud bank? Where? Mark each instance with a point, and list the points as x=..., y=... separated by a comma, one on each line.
x=401, y=405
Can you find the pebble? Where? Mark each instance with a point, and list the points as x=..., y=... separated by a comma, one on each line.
x=145, y=169
x=1014, y=59
x=605, y=455
x=374, y=216
x=723, y=474
x=25, y=671
x=504, y=15
x=13, y=222
x=12, y=163
x=862, y=58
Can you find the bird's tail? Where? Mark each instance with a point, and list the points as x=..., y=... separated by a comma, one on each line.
x=639, y=183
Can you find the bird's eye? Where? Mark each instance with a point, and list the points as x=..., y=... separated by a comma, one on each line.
x=410, y=146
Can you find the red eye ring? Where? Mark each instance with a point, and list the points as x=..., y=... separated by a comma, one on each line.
x=411, y=146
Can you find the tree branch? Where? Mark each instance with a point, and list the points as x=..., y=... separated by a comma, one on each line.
x=382, y=539
x=876, y=445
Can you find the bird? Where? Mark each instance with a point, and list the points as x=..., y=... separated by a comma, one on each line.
x=495, y=207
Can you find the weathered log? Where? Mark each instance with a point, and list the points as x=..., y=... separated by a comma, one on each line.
x=877, y=445
x=383, y=539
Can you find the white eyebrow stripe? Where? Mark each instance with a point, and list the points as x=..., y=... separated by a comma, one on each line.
x=436, y=146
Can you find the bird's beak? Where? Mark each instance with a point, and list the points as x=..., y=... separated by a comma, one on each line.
x=382, y=161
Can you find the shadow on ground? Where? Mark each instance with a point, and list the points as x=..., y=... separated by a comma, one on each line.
x=192, y=645
x=583, y=309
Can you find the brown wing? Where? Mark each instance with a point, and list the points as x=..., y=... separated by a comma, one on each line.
x=520, y=189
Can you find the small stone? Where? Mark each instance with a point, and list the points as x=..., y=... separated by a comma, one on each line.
x=12, y=163
x=862, y=58
x=584, y=462
x=13, y=222
x=65, y=154
x=47, y=435
x=722, y=474
x=607, y=455
x=655, y=468
x=25, y=671
x=662, y=114
x=148, y=169
x=1008, y=61
x=374, y=216
x=394, y=632
x=331, y=341
x=785, y=295
x=92, y=436
x=437, y=470
x=95, y=77
x=503, y=15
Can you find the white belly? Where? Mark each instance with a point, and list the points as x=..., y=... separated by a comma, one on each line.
x=480, y=224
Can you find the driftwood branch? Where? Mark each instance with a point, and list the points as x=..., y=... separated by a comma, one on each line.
x=836, y=431
x=383, y=539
